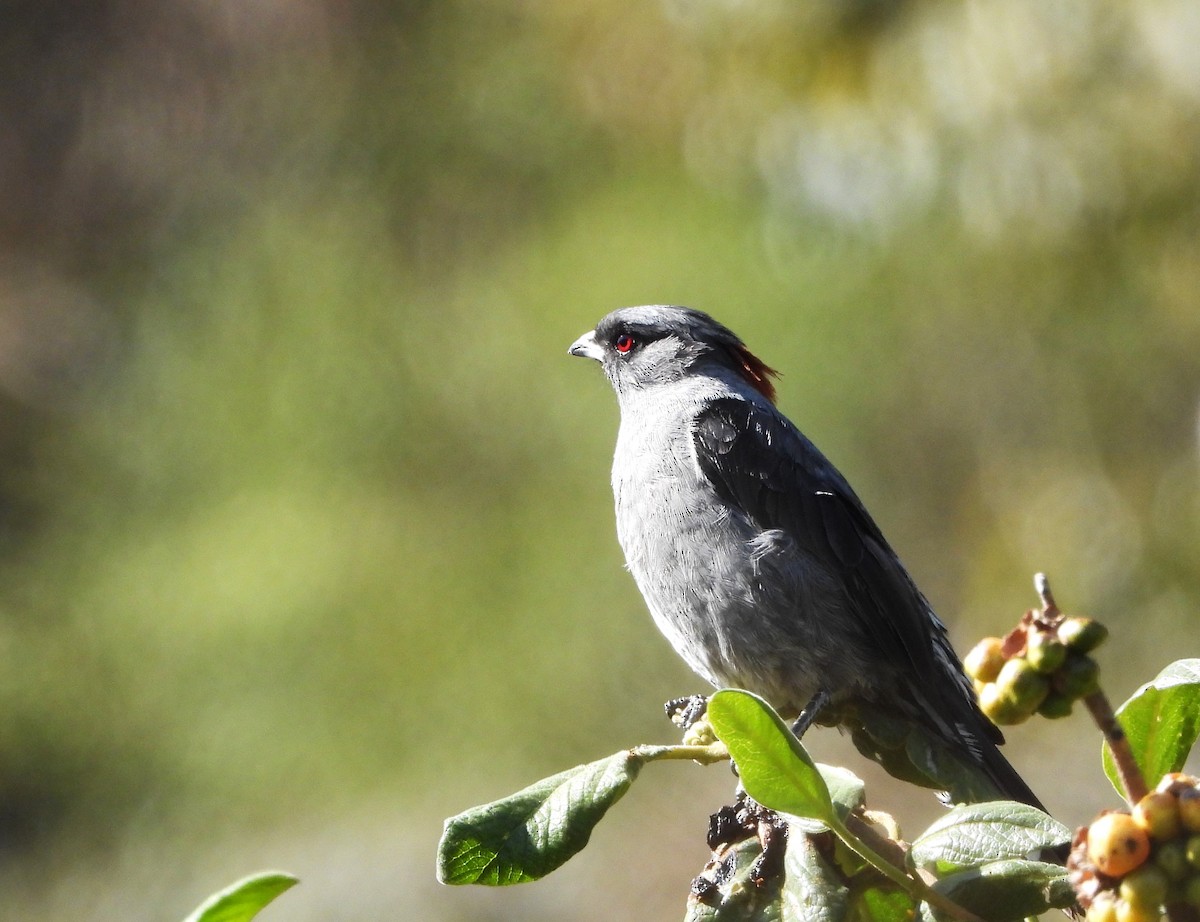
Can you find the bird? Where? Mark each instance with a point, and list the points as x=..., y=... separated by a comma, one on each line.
x=763, y=568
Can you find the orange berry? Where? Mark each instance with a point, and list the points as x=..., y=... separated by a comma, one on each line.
x=1116, y=844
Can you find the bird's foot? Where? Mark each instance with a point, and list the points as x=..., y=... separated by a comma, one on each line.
x=812, y=710
x=685, y=711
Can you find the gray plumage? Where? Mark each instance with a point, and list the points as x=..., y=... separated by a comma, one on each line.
x=760, y=564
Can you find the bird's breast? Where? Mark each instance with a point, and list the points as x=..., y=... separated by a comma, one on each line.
x=682, y=545
x=742, y=605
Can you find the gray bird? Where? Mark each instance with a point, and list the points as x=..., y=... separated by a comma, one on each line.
x=762, y=567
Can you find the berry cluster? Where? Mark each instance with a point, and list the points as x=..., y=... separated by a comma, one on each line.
x=1042, y=666
x=1126, y=867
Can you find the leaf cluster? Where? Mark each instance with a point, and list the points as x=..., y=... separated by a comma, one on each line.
x=982, y=862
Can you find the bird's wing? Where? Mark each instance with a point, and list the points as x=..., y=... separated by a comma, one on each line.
x=758, y=462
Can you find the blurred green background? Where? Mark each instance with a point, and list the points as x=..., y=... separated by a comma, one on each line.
x=306, y=532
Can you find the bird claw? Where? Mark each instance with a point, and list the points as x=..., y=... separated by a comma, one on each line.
x=685, y=711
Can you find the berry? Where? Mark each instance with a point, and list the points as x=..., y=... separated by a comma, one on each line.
x=1103, y=908
x=999, y=708
x=1045, y=652
x=1082, y=635
x=1022, y=683
x=1171, y=858
x=1078, y=676
x=1191, y=850
x=1056, y=706
x=1116, y=844
x=985, y=660
x=1145, y=887
x=1135, y=912
x=1158, y=814
x=1189, y=809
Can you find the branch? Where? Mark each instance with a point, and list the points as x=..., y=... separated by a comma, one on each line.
x=1102, y=713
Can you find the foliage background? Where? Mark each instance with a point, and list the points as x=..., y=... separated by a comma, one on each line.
x=306, y=539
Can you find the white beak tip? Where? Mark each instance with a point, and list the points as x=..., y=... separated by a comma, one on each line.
x=587, y=347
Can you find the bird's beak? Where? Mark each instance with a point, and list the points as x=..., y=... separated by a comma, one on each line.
x=587, y=346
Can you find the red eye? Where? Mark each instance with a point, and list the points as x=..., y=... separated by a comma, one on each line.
x=624, y=343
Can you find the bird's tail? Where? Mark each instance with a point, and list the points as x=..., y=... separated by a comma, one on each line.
x=969, y=769
x=1008, y=783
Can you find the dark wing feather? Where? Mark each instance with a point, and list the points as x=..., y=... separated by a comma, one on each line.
x=760, y=463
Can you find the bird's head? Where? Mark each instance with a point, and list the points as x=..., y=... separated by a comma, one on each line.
x=640, y=347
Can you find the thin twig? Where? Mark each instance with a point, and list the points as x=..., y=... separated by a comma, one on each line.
x=888, y=858
x=1118, y=744
x=1102, y=713
x=1042, y=584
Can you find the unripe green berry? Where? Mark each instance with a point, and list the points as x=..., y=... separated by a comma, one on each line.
x=1056, y=706
x=1191, y=850
x=1147, y=886
x=985, y=660
x=1191, y=892
x=1025, y=685
x=1045, y=652
x=1000, y=708
x=1136, y=912
x=1078, y=676
x=1171, y=857
x=1158, y=814
x=1082, y=635
x=1103, y=908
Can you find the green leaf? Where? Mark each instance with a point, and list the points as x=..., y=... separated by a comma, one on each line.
x=846, y=790
x=1005, y=891
x=813, y=891
x=243, y=900
x=1162, y=721
x=885, y=903
x=775, y=769
x=975, y=834
x=527, y=835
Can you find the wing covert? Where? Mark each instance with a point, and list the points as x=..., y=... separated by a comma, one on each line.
x=760, y=463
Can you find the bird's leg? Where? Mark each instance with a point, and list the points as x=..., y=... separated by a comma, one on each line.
x=685, y=711
x=814, y=707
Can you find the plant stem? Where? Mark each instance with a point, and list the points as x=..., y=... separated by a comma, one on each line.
x=893, y=867
x=1102, y=713
x=705, y=755
x=1118, y=743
